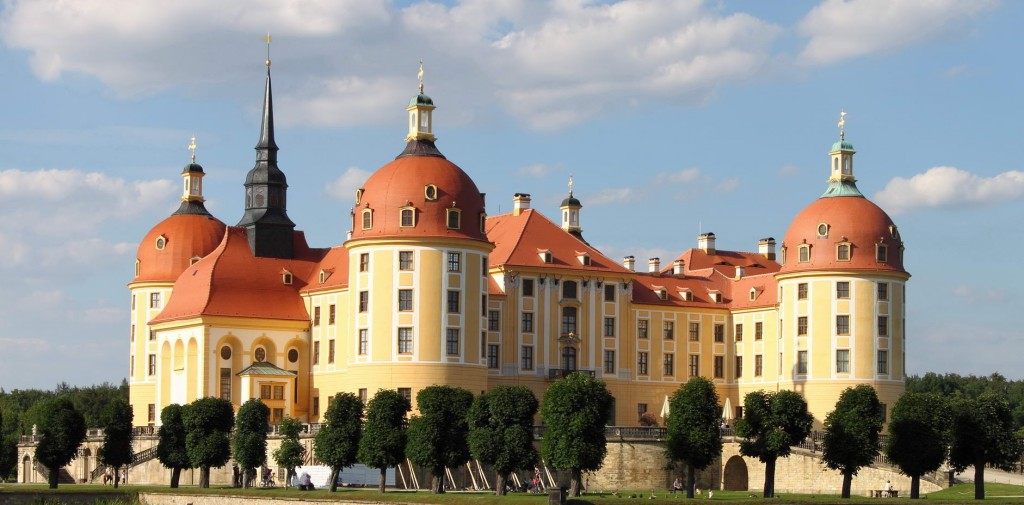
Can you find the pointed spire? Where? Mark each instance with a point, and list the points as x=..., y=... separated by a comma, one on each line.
x=266, y=148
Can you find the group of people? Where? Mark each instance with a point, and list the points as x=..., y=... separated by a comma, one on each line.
x=677, y=487
x=109, y=476
x=266, y=476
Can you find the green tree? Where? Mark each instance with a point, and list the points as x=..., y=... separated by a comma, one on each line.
x=918, y=438
x=384, y=433
x=851, y=433
x=501, y=431
x=62, y=431
x=291, y=453
x=117, y=436
x=694, y=433
x=772, y=423
x=208, y=423
x=982, y=435
x=170, y=447
x=437, y=436
x=337, y=442
x=8, y=458
x=249, y=440
x=575, y=410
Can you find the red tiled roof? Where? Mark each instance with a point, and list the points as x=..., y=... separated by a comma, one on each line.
x=187, y=236
x=518, y=240
x=335, y=265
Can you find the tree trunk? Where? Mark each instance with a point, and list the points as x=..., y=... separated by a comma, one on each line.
x=334, y=479
x=117, y=471
x=204, y=477
x=437, y=482
x=690, y=480
x=51, y=479
x=246, y=482
x=383, y=478
x=175, y=477
x=500, y=480
x=915, y=487
x=575, y=482
x=847, y=481
x=769, y=478
x=979, y=480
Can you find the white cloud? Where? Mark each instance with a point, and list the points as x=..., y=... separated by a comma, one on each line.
x=612, y=195
x=685, y=176
x=728, y=185
x=788, y=171
x=344, y=187
x=842, y=29
x=538, y=170
x=949, y=187
x=985, y=295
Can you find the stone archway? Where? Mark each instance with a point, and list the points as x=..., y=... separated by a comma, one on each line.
x=735, y=475
x=26, y=469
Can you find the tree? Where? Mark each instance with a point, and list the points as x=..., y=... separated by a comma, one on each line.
x=982, y=435
x=170, y=448
x=694, y=431
x=337, y=442
x=437, y=436
x=575, y=410
x=249, y=440
x=291, y=453
x=772, y=423
x=208, y=423
x=501, y=431
x=62, y=431
x=918, y=438
x=117, y=436
x=851, y=433
x=384, y=433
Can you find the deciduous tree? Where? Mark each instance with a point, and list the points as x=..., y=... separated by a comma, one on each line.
x=291, y=453
x=437, y=436
x=772, y=423
x=337, y=442
x=851, y=433
x=982, y=435
x=62, y=431
x=501, y=431
x=208, y=423
x=694, y=427
x=117, y=436
x=170, y=448
x=249, y=440
x=575, y=410
x=384, y=433
x=918, y=440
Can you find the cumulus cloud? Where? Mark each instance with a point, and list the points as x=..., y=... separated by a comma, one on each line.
x=344, y=187
x=612, y=195
x=728, y=185
x=788, y=171
x=949, y=187
x=537, y=170
x=842, y=29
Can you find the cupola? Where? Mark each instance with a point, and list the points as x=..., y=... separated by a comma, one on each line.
x=420, y=108
x=571, y=214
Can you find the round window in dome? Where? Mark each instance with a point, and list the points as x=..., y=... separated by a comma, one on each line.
x=822, y=230
x=430, y=192
x=260, y=354
x=293, y=355
x=225, y=352
x=161, y=242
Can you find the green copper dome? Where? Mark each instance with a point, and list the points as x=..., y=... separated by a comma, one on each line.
x=841, y=188
x=421, y=99
x=842, y=145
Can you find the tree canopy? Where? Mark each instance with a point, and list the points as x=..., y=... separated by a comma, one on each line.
x=982, y=435
x=170, y=448
x=918, y=440
x=117, y=436
x=501, y=431
x=291, y=453
x=694, y=427
x=337, y=442
x=575, y=410
x=249, y=440
x=772, y=424
x=208, y=422
x=851, y=433
x=62, y=431
x=384, y=433
x=437, y=436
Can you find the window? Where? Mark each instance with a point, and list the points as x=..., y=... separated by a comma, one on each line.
x=883, y=290
x=454, y=219
x=133, y=333
x=364, y=262
x=493, y=320
x=454, y=262
x=406, y=393
x=641, y=409
x=316, y=316
x=293, y=355
x=331, y=312
x=152, y=364
x=694, y=365
x=609, y=326
x=719, y=333
x=801, y=362
x=883, y=326
x=609, y=362
x=882, y=253
x=404, y=300
x=805, y=253
x=569, y=358
x=719, y=367
x=483, y=266
x=670, y=364
x=758, y=365
x=279, y=392
x=316, y=405
x=527, y=322
x=152, y=413
x=842, y=290
x=843, y=361
x=641, y=363
x=641, y=328
x=364, y=301
x=882, y=411
x=823, y=229
x=526, y=357
x=330, y=351
x=609, y=292
x=363, y=393
x=758, y=330
x=694, y=332
x=739, y=332
x=801, y=291
x=843, y=252
x=843, y=325
x=405, y=340
x=225, y=383
x=133, y=302
x=492, y=355
x=364, y=341
x=454, y=301
x=152, y=334
x=407, y=218
x=316, y=352
x=527, y=287
x=405, y=260
x=483, y=305
x=739, y=367
x=569, y=290
x=883, y=362
x=669, y=330
x=801, y=325
x=452, y=342
x=568, y=320
x=154, y=300
x=161, y=242
x=367, y=219
x=131, y=365
x=430, y=192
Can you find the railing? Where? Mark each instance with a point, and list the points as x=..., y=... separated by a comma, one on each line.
x=143, y=456
x=144, y=430
x=97, y=472
x=558, y=373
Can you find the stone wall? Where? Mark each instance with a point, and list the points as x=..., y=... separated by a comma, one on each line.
x=67, y=498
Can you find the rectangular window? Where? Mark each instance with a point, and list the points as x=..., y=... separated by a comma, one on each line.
x=316, y=316
x=805, y=254
x=364, y=341
x=133, y=302
x=364, y=301
x=454, y=262
x=758, y=330
x=883, y=290
x=331, y=313
x=883, y=326
x=493, y=320
x=641, y=363
x=801, y=362
x=276, y=416
x=609, y=292
x=406, y=393
x=609, y=362
x=694, y=365
x=527, y=322
x=364, y=262
x=404, y=300
x=405, y=260
x=279, y=392
x=719, y=333
x=526, y=357
x=265, y=391
x=454, y=219
x=758, y=365
x=670, y=330
x=843, y=325
x=801, y=325
x=316, y=405
x=330, y=351
x=801, y=291
x=453, y=301
x=492, y=356
x=225, y=383
x=405, y=340
x=739, y=367
x=152, y=334
x=483, y=266
x=527, y=287
x=316, y=352
x=694, y=332
x=883, y=362
x=152, y=364
x=483, y=305
x=133, y=333
x=609, y=326
x=641, y=409
x=739, y=332
x=843, y=361
x=641, y=328
x=719, y=367
x=152, y=413
x=843, y=289
x=131, y=365
x=154, y=300
x=882, y=253
x=452, y=342
x=363, y=395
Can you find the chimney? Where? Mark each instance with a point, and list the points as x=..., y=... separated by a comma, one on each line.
x=677, y=267
x=629, y=263
x=654, y=265
x=520, y=202
x=706, y=242
x=740, y=271
x=766, y=248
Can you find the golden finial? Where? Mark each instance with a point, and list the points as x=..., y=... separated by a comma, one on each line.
x=192, y=147
x=268, y=39
x=842, y=124
x=570, y=185
x=419, y=76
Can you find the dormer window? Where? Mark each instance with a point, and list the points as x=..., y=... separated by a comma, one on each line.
x=483, y=222
x=583, y=257
x=454, y=219
x=881, y=253
x=194, y=260
x=822, y=230
x=286, y=277
x=894, y=232
x=161, y=242
x=843, y=251
x=715, y=295
x=782, y=255
x=661, y=292
x=753, y=294
x=545, y=255
x=324, y=275
x=367, y=219
x=685, y=294
x=430, y=192
x=138, y=267
x=359, y=195
x=407, y=217
x=805, y=253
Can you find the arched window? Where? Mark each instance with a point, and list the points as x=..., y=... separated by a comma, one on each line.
x=407, y=217
x=805, y=253
x=367, y=219
x=569, y=320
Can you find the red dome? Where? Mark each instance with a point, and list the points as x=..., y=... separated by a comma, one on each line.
x=852, y=220
x=430, y=186
x=185, y=236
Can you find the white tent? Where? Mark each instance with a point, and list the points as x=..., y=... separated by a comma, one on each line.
x=727, y=410
x=665, y=408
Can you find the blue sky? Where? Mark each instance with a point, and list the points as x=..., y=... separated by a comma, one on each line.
x=673, y=117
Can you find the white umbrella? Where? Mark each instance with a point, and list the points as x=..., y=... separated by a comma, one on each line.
x=727, y=410
x=664, y=408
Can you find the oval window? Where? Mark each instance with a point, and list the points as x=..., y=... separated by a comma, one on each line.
x=822, y=230
x=430, y=192
x=225, y=352
x=293, y=355
x=260, y=354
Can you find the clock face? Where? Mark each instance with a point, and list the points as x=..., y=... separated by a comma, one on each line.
x=260, y=197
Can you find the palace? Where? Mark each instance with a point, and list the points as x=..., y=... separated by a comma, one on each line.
x=428, y=289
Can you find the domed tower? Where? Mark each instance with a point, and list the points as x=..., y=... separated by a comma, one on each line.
x=842, y=293
x=571, y=214
x=417, y=271
x=167, y=250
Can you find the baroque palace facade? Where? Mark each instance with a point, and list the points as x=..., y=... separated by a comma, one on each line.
x=428, y=289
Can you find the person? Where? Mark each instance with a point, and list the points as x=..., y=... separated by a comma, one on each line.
x=235, y=476
x=107, y=478
x=677, y=485
x=124, y=476
x=888, y=489
x=305, y=482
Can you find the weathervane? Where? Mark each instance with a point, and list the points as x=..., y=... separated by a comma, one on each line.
x=268, y=39
x=192, y=147
x=419, y=76
x=842, y=124
x=570, y=185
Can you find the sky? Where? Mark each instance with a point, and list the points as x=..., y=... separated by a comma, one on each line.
x=673, y=118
